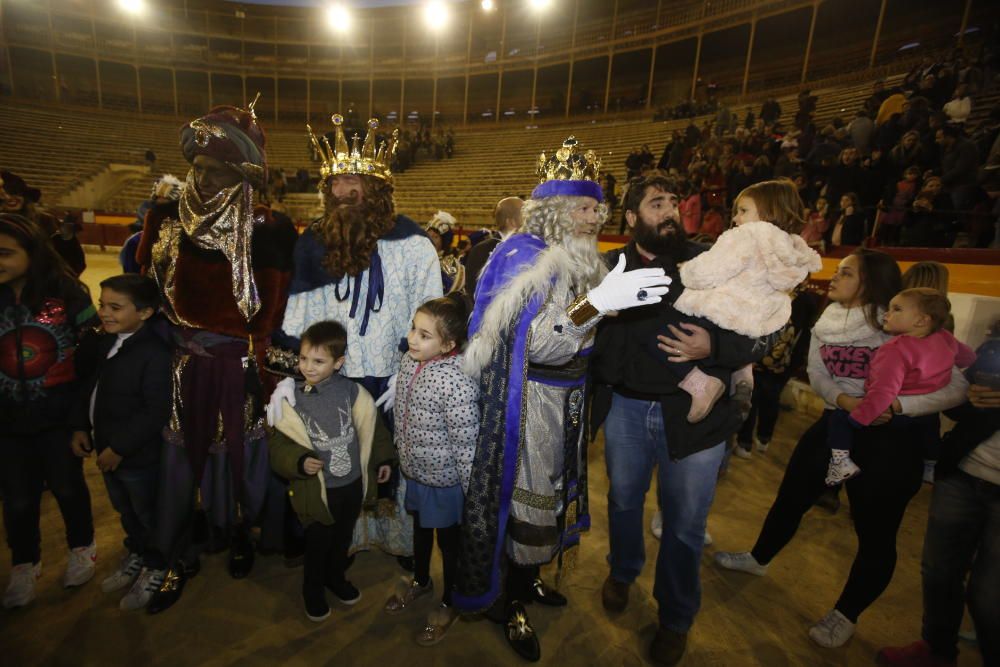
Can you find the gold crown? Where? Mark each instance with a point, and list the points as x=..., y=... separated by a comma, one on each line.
x=569, y=164
x=362, y=159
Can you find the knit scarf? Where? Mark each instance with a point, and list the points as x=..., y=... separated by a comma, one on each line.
x=840, y=325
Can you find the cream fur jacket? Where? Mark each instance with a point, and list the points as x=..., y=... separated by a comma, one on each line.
x=743, y=282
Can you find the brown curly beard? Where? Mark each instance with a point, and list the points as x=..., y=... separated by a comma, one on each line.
x=350, y=229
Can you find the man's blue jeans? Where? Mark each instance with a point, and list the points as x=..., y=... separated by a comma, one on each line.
x=635, y=441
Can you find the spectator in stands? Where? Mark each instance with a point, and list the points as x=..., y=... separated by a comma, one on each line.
x=633, y=163
x=896, y=205
x=610, y=189
x=788, y=163
x=851, y=226
x=959, y=166
x=817, y=222
x=807, y=106
x=770, y=111
x=906, y=153
x=826, y=149
x=748, y=119
x=507, y=220
x=689, y=207
x=960, y=106
x=846, y=175
x=741, y=179
x=862, y=130
x=150, y=158
x=874, y=101
x=931, y=222
x=930, y=91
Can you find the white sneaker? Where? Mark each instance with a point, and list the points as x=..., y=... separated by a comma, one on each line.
x=741, y=561
x=656, y=525
x=740, y=452
x=929, y=471
x=708, y=538
x=840, y=471
x=832, y=630
x=147, y=583
x=125, y=575
x=21, y=589
x=81, y=566
x=761, y=446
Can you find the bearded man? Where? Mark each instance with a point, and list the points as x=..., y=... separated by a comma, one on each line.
x=646, y=424
x=368, y=268
x=537, y=302
x=224, y=273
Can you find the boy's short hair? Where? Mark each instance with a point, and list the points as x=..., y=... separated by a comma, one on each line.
x=329, y=334
x=931, y=303
x=142, y=291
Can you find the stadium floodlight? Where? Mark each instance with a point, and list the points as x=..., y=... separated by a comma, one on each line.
x=338, y=17
x=540, y=5
x=488, y=5
x=134, y=7
x=436, y=15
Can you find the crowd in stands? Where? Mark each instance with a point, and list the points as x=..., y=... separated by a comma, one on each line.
x=906, y=168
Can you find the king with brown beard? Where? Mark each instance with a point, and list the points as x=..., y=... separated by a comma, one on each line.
x=368, y=268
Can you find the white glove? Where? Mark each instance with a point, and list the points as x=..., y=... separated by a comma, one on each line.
x=623, y=289
x=284, y=391
x=388, y=397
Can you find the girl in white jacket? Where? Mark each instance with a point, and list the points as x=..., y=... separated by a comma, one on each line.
x=437, y=420
x=743, y=283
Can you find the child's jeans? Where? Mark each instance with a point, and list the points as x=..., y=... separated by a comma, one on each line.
x=29, y=462
x=326, y=546
x=132, y=492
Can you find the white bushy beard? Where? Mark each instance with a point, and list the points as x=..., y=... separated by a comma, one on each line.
x=586, y=264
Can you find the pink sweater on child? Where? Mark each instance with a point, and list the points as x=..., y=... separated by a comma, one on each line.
x=908, y=366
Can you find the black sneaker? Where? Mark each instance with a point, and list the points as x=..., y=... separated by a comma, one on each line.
x=316, y=607
x=520, y=635
x=346, y=592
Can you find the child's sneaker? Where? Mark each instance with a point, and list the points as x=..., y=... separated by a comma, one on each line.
x=761, y=445
x=125, y=575
x=439, y=622
x=148, y=582
x=316, y=607
x=832, y=631
x=346, y=592
x=705, y=390
x=406, y=593
x=929, y=471
x=741, y=561
x=656, y=525
x=708, y=538
x=842, y=468
x=21, y=589
x=742, y=452
x=81, y=566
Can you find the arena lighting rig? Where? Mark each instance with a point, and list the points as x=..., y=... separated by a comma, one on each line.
x=338, y=18
x=133, y=7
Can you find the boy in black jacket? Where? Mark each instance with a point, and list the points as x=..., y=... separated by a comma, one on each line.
x=122, y=409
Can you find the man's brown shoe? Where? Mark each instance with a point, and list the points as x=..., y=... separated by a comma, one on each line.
x=668, y=647
x=614, y=595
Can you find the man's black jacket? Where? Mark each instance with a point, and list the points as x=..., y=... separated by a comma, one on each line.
x=621, y=363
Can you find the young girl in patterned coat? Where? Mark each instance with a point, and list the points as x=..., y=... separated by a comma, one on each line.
x=437, y=421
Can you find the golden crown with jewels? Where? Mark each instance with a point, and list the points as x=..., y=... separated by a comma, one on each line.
x=569, y=163
x=362, y=159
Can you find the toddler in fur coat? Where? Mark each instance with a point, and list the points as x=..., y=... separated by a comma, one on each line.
x=743, y=283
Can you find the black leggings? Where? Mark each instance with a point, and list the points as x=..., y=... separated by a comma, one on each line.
x=29, y=462
x=891, y=474
x=423, y=545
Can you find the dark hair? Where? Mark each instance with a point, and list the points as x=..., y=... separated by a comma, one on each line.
x=637, y=189
x=142, y=291
x=451, y=317
x=931, y=303
x=329, y=334
x=951, y=131
x=48, y=274
x=880, y=280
